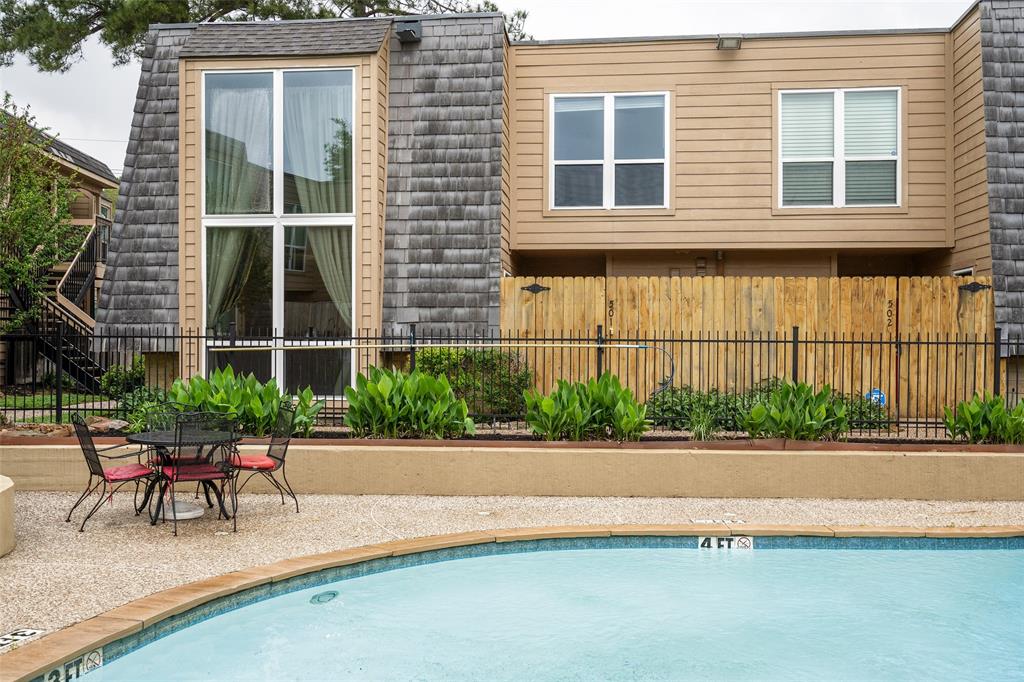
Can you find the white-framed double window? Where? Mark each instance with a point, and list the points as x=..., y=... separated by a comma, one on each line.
x=609, y=151
x=278, y=222
x=840, y=147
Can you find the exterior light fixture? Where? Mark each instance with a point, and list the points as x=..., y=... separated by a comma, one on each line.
x=409, y=31
x=729, y=41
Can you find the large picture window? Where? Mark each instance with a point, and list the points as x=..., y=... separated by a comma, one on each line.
x=840, y=148
x=279, y=223
x=609, y=151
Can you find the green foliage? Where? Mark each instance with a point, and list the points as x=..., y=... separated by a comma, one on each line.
x=707, y=413
x=600, y=408
x=393, y=404
x=986, y=420
x=703, y=425
x=795, y=411
x=680, y=407
x=254, y=404
x=36, y=232
x=492, y=382
x=51, y=34
x=136, y=404
x=118, y=380
x=306, y=409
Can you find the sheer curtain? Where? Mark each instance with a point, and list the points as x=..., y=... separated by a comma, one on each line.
x=238, y=145
x=332, y=249
x=229, y=259
x=318, y=142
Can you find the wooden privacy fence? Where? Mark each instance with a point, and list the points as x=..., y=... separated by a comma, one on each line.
x=923, y=342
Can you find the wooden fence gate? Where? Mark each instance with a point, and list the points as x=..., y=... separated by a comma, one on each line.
x=922, y=341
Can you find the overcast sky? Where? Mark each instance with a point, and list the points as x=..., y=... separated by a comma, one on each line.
x=90, y=106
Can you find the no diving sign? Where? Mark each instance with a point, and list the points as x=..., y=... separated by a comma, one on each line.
x=731, y=542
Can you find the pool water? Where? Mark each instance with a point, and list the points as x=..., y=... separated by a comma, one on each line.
x=626, y=614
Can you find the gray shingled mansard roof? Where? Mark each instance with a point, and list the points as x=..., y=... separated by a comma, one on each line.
x=286, y=38
x=1002, y=58
x=140, y=290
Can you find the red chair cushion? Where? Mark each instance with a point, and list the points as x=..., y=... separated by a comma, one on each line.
x=126, y=472
x=256, y=462
x=194, y=472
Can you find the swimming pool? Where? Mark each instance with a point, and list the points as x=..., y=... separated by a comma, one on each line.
x=618, y=608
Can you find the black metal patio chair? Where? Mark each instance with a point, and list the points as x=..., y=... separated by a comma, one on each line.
x=107, y=480
x=267, y=465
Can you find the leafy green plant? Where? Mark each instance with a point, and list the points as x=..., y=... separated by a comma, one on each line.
x=491, y=381
x=306, y=409
x=393, y=404
x=677, y=407
x=703, y=423
x=118, y=380
x=136, y=404
x=985, y=419
x=796, y=411
x=254, y=404
x=600, y=408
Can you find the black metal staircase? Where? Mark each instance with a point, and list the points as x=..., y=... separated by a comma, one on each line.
x=62, y=331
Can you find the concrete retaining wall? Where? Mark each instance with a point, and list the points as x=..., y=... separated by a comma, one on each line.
x=6, y=515
x=670, y=472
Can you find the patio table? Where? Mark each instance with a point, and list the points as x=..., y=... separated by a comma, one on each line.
x=165, y=440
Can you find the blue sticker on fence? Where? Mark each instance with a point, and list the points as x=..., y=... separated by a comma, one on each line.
x=876, y=396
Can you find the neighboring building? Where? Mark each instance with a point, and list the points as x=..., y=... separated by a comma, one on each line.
x=73, y=286
x=316, y=178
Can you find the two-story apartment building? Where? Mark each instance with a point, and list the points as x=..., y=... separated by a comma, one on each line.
x=314, y=178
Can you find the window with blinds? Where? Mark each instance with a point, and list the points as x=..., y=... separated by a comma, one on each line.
x=609, y=150
x=840, y=147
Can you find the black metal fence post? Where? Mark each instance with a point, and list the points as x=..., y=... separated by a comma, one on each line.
x=997, y=365
x=412, y=347
x=600, y=349
x=60, y=372
x=796, y=354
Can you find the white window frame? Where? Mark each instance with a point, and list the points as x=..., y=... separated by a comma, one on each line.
x=839, y=157
x=277, y=220
x=608, y=163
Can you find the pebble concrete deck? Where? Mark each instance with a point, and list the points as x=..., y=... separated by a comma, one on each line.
x=57, y=576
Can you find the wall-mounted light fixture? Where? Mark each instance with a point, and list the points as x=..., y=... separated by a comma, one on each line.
x=729, y=41
x=409, y=31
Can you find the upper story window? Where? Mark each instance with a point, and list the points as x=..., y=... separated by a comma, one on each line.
x=278, y=142
x=609, y=151
x=840, y=147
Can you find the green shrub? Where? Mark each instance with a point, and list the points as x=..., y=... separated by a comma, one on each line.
x=393, y=404
x=986, y=420
x=864, y=413
x=118, y=381
x=254, y=404
x=600, y=408
x=135, y=405
x=703, y=424
x=795, y=411
x=491, y=381
x=676, y=406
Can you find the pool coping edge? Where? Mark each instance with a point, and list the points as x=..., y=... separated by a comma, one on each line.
x=60, y=647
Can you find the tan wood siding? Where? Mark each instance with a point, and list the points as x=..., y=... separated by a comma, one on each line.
x=370, y=93
x=722, y=142
x=970, y=180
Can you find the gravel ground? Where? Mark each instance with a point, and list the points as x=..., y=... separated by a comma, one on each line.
x=57, y=576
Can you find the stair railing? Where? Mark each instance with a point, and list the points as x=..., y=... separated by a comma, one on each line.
x=81, y=273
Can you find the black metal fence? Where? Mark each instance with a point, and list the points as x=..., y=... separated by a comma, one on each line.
x=895, y=387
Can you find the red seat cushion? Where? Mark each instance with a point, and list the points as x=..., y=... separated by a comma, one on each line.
x=256, y=462
x=126, y=472
x=194, y=472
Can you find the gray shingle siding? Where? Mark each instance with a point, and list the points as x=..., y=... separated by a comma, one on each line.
x=442, y=243
x=140, y=291
x=1002, y=52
